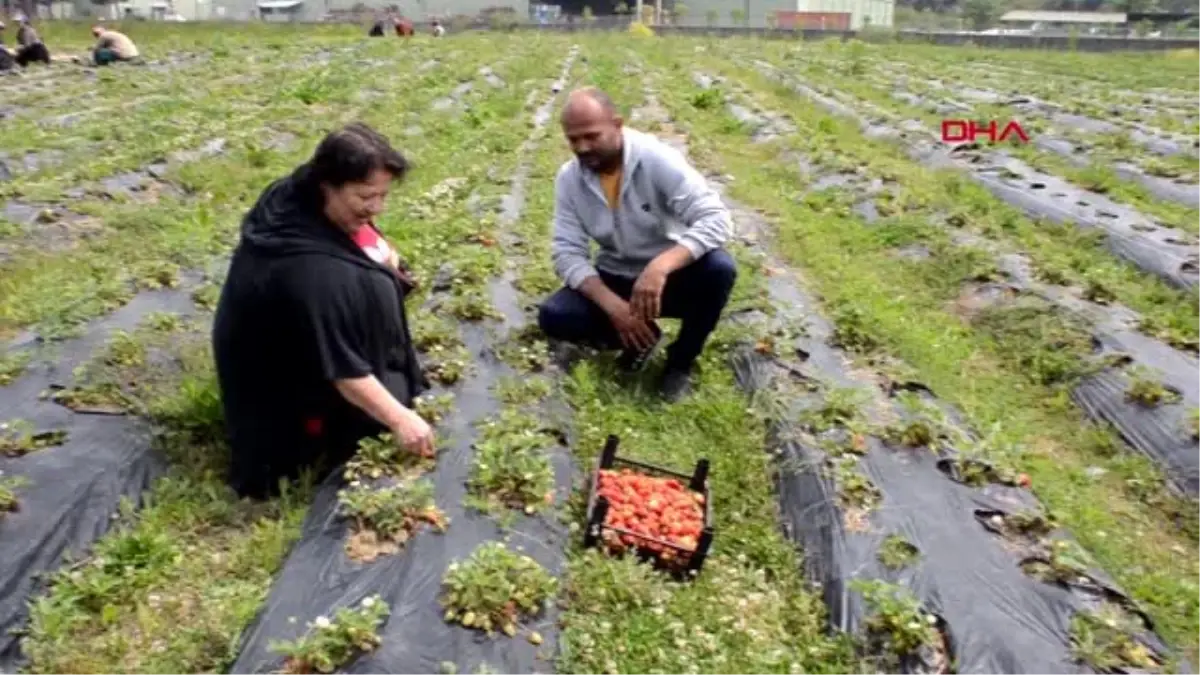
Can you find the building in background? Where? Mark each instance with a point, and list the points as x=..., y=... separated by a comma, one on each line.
x=790, y=14
x=1030, y=21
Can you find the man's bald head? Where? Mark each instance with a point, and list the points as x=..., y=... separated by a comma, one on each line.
x=592, y=125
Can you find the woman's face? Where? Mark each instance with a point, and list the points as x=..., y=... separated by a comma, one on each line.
x=355, y=204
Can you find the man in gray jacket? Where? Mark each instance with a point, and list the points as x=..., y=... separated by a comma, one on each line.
x=660, y=230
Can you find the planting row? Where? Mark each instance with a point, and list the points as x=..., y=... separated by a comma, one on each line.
x=1109, y=395
x=127, y=466
x=890, y=506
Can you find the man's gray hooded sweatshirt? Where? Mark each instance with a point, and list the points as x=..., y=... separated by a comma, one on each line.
x=662, y=201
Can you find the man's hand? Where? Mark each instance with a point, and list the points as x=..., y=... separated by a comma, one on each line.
x=646, y=301
x=633, y=331
x=414, y=434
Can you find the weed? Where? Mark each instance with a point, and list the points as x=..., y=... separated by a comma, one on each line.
x=1042, y=342
x=330, y=644
x=494, y=588
x=708, y=99
x=851, y=331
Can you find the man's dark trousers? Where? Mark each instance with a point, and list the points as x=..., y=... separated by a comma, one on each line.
x=696, y=294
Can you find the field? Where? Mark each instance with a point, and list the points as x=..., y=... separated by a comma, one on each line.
x=951, y=412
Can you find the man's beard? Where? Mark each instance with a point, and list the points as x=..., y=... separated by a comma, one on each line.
x=602, y=162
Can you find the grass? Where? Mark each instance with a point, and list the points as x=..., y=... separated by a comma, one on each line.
x=171, y=587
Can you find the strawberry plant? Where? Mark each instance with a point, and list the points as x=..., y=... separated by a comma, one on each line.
x=897, y=625
x=431, y=332
x=433, y=409
x=521, y=390
x=8, y=496
x=1103, y=639
x=1064, y=562
x=11, y=367
x=124, y=350
x=385, y=518
x=381, y=456
x=896, y=553
x=448, y=366
x=494, y=588
x=19, y=437
x=100, y=396
x=331, y=644
x=1148, y=392
x=509, y=469
x=472, y=305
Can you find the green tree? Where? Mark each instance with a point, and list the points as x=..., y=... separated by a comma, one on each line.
x=979, y=13
x=711, y=17
x=680, y=12
x=588, y=16
x=772, y=20
x=737, y=16
x=621, y=8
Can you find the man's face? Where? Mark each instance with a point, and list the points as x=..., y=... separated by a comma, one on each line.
x=595, y=141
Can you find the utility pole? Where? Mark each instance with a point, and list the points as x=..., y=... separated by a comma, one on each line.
x=658, y=12
x=639, y=10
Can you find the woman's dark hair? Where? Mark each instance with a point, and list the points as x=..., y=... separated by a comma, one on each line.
x=349, y=155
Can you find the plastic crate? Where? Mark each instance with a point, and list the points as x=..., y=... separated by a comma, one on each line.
x=683, y=562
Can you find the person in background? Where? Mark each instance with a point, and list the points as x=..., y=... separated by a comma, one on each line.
x=438, y=29
x=8, y=59
x=404, y=27
x=311, y=338
x=30, y=48
x=377, y=28
x=112, y=46
x=661, y=230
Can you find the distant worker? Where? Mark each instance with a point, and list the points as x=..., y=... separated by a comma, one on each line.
x=7, y=57
x=377, y=29
x=29, y=45
x=438, y=29
x=404, y=27
x=112, y=46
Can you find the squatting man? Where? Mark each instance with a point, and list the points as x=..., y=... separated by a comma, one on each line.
x=660, y=229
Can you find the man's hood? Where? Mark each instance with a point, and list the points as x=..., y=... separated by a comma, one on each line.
x=286, y=221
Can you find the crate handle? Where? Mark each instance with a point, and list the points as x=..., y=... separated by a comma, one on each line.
x=592, y=535
x=699, y=476
x=610, y=451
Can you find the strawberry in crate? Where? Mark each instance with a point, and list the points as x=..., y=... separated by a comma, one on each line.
x=656, y=508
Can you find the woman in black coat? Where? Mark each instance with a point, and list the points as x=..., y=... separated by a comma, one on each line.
x=311, y=338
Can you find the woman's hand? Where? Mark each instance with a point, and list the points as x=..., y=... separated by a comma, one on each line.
x=414, y=434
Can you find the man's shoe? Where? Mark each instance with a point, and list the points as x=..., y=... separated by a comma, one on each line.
x=633, y=361
x=676, y=383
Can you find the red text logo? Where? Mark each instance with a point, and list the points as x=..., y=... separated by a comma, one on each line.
x=968, y=131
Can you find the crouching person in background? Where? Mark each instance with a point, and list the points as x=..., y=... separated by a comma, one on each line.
x=311, y=337
x=30, y=48
x=112, y=46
